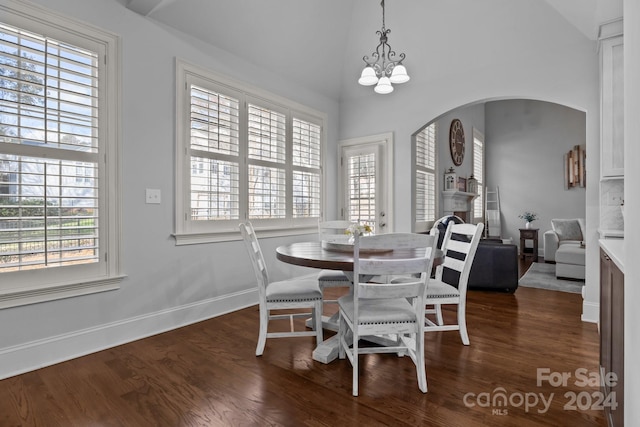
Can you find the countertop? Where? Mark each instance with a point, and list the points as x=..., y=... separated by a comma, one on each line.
x=615, y=249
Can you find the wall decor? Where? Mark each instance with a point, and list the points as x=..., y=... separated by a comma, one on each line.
x=462, y=184
x=575, y=174
x=450, y=180
x=456, y=142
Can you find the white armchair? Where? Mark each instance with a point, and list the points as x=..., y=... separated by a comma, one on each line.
x=564, y=245
x=562, y=232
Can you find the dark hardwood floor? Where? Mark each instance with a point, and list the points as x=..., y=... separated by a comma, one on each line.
x=207, y=374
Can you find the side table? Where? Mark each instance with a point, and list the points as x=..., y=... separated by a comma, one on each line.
x=529, y=234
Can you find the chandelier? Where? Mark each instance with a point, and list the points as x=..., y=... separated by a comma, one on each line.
x=384, y=66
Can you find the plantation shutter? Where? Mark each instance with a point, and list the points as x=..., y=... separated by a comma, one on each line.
x=267, y=169
x=362, y=188
x=306, y=169
x=215, y=161
x=49, y=208
x=478, y=173
x=425, y=174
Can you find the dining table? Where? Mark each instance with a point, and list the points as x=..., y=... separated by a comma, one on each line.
x=328, y=256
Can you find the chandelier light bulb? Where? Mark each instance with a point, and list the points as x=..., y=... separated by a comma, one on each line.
x=368, y=77
x=399, y=74
x=384, y=86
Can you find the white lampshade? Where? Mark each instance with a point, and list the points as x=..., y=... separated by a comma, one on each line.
x=399, y=74
x=383, y=86
x=368, y=77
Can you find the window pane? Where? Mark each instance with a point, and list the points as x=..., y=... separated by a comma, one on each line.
x=48, y=213
x=267, y=134
x=425, y=196
x=426, y=147
x=214, y=189
x=306, y=144
x=267, y=192
x=478, y=173
x=214, y=122
x=306, y=195
x=48, y=92
x=362, y=188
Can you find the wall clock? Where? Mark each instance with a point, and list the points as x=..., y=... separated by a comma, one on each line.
x=456, y=142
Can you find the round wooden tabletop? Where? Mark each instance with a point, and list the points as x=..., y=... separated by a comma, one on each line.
x=312, y=254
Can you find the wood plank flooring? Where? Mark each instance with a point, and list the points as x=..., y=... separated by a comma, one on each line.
x=207, y=374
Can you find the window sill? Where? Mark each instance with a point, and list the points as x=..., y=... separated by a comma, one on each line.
x=228, y=236
x=31, y=295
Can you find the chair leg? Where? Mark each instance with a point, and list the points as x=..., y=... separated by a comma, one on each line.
x=262, y=337
x=462, y=323
x=342, y=326
x=354, y=365
x=420, y=363
x=438, y=309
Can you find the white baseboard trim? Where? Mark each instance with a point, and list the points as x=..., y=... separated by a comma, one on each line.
x=46, y=352
x=590, y=312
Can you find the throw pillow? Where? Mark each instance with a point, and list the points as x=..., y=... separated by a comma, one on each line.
x=567, y=229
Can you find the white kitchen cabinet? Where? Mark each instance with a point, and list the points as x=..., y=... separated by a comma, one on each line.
x=611, y=100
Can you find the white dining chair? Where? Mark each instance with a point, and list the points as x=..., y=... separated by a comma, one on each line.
x=375, y=309
x=333, y=231
x=296, y=294
x=458, y=253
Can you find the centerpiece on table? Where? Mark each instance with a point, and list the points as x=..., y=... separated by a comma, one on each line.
x=528, y=217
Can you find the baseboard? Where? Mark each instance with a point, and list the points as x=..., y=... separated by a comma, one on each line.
x=590, y=312
x=38, y=354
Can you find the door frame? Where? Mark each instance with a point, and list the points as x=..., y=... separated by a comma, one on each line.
x=384, y=142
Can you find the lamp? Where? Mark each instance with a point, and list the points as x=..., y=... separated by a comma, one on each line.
x=384, y=67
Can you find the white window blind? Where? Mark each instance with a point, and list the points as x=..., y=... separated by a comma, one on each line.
x=49, y=206
x=215, y=160
x=362, y=188
x=307, y=139
x=249, y=155
x=478, y=173
x=425, y=178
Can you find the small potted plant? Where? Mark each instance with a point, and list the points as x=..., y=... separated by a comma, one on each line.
x=528, y=217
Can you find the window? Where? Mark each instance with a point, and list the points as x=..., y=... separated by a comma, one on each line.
x=425, y=178
x=478, y=173
x=243, y=154
x=57, y=158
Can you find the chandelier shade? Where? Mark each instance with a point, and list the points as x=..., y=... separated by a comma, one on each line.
x=384, y=66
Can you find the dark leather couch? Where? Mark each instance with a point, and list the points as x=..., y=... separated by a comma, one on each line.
x=495, y=266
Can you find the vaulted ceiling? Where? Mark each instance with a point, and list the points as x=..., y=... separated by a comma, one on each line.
x=305, y=39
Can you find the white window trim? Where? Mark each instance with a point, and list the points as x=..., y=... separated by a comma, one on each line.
x=43, y=285
x=184, y=233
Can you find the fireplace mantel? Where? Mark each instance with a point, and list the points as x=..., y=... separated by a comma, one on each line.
x=458, y=201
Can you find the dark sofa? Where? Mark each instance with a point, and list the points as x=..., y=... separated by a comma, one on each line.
x=495, y=266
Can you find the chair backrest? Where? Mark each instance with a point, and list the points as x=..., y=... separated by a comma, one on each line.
x=333, y=231
x=459, y=247
x=411, y=286
x=257, y=260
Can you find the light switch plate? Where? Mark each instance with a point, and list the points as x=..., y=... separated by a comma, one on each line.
x=153, y=196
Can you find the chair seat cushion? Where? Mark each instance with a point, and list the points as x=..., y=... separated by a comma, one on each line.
x=373, y=311
x=570, y=254
x=294, y=290
x=438, y=289
x=326, y=276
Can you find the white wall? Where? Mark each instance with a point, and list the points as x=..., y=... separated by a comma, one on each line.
x=525, y=142
x=504, y=54
x=166, y=285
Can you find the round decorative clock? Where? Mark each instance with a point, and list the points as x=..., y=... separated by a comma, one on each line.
x=456, y=142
